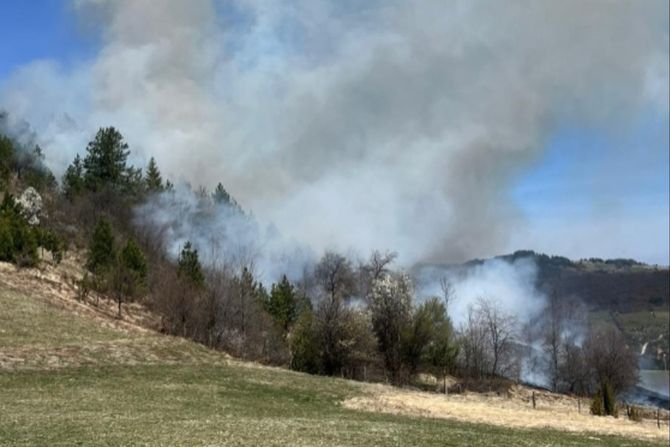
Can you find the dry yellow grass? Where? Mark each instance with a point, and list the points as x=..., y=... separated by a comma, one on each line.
x=57, y=285
x=552, y=411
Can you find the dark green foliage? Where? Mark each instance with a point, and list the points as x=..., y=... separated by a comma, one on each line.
x=7, y=160
x=105, y=161
x=189, y=265
x=428, y=340
x=73, y=179
x=18, y=242
x=50, y=241
x=441, y=350
x=283, y=304
x=133, y=259
x=305, y=345
x=127, y=279
x=101, y=252
x=153, y=180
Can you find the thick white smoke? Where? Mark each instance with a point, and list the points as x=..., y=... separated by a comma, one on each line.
x=510, y=285
x=379, y=125
x=226, y=237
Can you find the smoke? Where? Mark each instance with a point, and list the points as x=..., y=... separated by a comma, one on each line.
x=19, y=131
x=225, y=236
x=510, y=285
x=385, y=125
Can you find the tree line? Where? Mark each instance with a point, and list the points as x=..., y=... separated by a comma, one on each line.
x=360, y=320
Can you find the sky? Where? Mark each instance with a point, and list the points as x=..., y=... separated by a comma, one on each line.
x=570, y=160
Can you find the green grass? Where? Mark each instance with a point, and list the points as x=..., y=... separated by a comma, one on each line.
x=183, y=394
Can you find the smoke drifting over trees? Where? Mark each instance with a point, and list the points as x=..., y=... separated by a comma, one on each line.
x=385, y=125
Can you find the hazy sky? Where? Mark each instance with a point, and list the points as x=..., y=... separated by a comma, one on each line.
x=444, y=132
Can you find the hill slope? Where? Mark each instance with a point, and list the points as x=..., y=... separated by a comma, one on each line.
x=72, y=373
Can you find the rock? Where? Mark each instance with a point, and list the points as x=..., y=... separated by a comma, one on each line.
x=31, y=203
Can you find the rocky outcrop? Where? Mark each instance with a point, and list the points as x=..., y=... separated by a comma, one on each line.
x=31, y=204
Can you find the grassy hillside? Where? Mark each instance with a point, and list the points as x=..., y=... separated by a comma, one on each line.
x=69, y=375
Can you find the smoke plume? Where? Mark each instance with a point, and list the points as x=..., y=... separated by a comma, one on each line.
x=378, y=125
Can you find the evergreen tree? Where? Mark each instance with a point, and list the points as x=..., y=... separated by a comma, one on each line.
x=282, y=304
x=18, y=241
x=101, y=253
x=133, y=259
x=221, y=196
x=7, y=159
x=153, y=180
x=105, y=161
x=189, y=265
x=128, y=278
x=73, y=179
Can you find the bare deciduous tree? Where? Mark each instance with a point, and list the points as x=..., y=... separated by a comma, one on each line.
x=335, y=275
x=610, y=359
x=500, y=331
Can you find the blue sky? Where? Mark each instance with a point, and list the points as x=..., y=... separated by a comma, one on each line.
x=40, y=29
x=583, y=172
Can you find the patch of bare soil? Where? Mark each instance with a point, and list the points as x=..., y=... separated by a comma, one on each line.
x=514, y=410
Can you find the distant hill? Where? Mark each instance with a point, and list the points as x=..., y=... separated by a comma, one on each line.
x=613, y=285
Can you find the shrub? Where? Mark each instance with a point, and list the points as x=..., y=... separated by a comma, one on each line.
x=609, y=401
x=305, y=352
x=50, y=241
x=101, y=254
x=597, y=407
x=604, y=402
x=634, y=413
x=18, y=241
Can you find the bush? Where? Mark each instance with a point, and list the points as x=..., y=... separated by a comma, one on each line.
x=18, y=241
x=609, y=401
x=597, y=407
x=604, y=402
x=634, y=413
x=304, y=342
x=52, y=242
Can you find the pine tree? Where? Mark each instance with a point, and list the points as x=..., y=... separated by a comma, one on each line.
x=18, y=241
x=7, y=159
x=105, y=161
x=133, y=259
x=153, y=180
x=189, y=265
x=128, y=277
x=221, y=196
x=101, y=252
x=73, y=179
x=282, y=304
